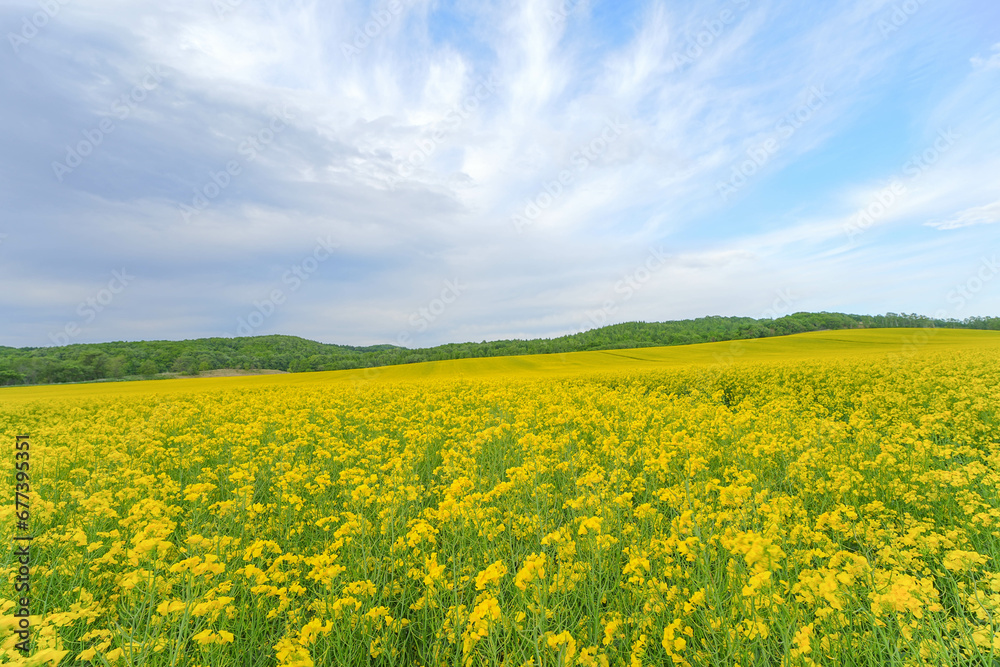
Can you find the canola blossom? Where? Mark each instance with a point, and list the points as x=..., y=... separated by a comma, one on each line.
x=698, y=506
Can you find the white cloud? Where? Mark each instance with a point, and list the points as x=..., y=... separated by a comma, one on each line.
x=977, y=215
x=345, y=165
x=992, y=62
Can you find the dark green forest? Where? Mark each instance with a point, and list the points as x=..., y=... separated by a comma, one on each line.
x=146, y=359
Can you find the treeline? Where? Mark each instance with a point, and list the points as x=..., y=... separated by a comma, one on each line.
x=143, y=359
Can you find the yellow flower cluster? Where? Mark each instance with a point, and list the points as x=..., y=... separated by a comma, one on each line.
x=839, y=510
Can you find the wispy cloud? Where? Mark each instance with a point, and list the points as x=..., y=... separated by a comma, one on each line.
x=977, y=215
x=413, y=135
x=990, y=62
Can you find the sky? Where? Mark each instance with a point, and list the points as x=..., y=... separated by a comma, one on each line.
x=416, y=172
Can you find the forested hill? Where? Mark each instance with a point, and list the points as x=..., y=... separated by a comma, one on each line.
x=132, y=360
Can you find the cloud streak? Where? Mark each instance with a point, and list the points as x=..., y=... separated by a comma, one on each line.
x=222, y=140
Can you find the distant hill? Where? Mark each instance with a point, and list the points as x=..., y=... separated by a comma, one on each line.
x=144, y=359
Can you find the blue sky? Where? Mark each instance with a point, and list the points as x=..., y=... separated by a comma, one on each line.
x=417, y=172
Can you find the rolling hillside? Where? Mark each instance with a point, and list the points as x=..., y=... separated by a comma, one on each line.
x=148, y=359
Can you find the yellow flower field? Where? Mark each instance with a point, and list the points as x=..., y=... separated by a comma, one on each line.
x=828, y=498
